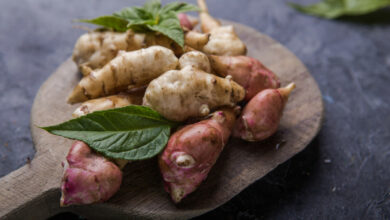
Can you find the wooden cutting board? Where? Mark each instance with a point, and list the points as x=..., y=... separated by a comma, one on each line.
x=33, y=191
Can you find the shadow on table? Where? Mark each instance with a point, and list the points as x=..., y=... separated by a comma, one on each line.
x=266, y=195
x=378, y=17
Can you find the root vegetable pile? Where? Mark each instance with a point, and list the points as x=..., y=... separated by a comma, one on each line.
x=195, y=90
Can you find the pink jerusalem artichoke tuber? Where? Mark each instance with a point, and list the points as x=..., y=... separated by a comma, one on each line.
x=88, y=177
x=246, y=71
x=260, y=117
x=192, y=151
x=185, y=22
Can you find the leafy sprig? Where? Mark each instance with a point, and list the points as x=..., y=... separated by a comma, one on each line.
x=151, y=17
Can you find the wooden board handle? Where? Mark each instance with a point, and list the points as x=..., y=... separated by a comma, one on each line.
x=23, y=192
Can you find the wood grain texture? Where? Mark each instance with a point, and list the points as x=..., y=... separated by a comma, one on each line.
x=33, y=190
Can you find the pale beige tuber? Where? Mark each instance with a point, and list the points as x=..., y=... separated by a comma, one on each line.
x=128, y=69
x=109, y=102
x=190, y=92
x=95, y=49
x=196, y=60
x=223, y=39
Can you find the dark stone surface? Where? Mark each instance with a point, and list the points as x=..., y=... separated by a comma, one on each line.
x=343, y=174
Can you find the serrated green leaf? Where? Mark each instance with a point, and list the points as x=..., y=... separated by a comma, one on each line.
x=112, y=22
x=179, y=7
x=135, y=16
x=130, y=133
x=335, y=8
x=150, y=17
x=170, y=26
x=153, y=7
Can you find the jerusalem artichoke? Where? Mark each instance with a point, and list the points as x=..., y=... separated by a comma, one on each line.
x=196, y=40
x=134, y=68
x=260, y=117
x=185, y=22
x=109, y=102
x=94, y=50
x=192, y=151
x=88, y=177
x=190, y=92
x=246, y=71
x=223, y=39
x=195, y=59
x=208, y=23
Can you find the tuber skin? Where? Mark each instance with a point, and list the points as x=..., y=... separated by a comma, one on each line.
x=192, y=151
x=196, y=40
x=136, y=68
x=180, y=94
x=208, y=23
x=95, y=49
x=223, y=39
x=88, y=177
x=246, y=71
x=109, y=102
x=261, y=116
x=185, y=22
x=196, y=60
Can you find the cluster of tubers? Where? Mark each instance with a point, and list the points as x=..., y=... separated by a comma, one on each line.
x=205, y=81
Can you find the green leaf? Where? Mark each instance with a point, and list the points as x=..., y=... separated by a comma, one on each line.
x=130, y=133
x=170, y=26
x=335, y=8
x=179, y=7
x=112, y=22
x=150, y=17
x=153, y=7
x=135, y=16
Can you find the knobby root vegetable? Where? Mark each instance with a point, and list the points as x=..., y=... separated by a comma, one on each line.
x=190, y=92
x=196, y=40
x=136, y=68
x=185, y=22
x=196, y=60
x=260, y=117
x=88, y=177
x=192, y=151
x=208, y=23
x=94, y=50
x=109, y=102
x=246, y=71
x=223, y=39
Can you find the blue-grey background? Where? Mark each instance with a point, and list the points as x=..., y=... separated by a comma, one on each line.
x=343, y=174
